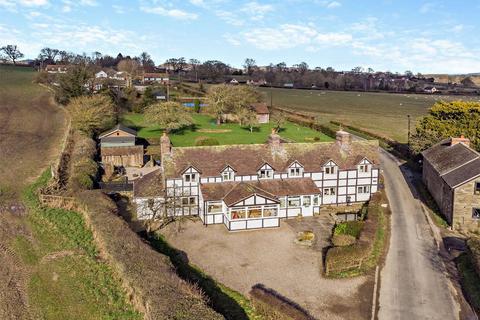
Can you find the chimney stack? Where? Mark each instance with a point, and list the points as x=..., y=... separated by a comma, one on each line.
x=274, y=139
x=165, y=144
x=462, y=139
x=343, y=138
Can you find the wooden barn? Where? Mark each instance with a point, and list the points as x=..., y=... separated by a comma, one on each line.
x=263, y=114
x=117, y=147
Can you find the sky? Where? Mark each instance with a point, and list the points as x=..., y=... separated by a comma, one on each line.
x=385, y=35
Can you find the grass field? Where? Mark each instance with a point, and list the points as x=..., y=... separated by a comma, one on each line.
x=31, y=127
x=381, y=113
x=49, y=267
x=229, y=133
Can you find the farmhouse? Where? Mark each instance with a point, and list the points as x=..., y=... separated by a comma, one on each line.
x=255, y=186
x=261, y=109
x=451, y=172
x=155, y=77
x=117, y=147
x=56, y=68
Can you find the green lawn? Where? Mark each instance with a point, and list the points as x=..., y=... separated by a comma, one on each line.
x=381, y=113
x=229, y=133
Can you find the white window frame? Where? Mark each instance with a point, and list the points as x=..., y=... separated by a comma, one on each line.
x=364, y=168
x=363, y=189
x=329, y=191
x=316, y=200
x=228, y=175
x=294, y=198
x=265, y=174
x=309, y=200
x=190, y=201
x=190, y=177
x=215, y=203
x=295, y=172
x=330, y=170
x=476, y=213
x=476, y=187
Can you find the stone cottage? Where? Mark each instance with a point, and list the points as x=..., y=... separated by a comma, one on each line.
x=451, y=172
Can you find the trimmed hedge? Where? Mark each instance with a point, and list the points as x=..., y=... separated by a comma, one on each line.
x=83, y=169
x=341, y=240
x=350, y=228
x=362, y=256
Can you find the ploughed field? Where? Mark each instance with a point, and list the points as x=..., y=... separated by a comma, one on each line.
x=228, y=133
x=382, y=113
x=31, y=128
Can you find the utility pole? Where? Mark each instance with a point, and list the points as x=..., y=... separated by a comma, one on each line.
x=408, y=138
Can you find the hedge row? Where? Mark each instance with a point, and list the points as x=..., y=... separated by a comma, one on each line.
x=148, y=276
x=364, y=254
x=83, y=169
x=473, y=245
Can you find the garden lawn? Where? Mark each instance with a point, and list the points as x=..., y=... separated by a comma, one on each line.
x=229, y=133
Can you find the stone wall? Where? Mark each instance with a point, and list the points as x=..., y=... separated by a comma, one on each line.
x=440, y=191
x=465, y=201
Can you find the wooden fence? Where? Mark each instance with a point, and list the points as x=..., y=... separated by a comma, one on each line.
x=354, y=264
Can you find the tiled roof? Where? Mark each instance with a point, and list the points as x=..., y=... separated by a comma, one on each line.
x=121, y=151
x=260, y=108
x=155, y=75
x=233, y=192
x=150, y=185
x=246, y=159
x=456, y=163
x=119, y=139
x=118, y=127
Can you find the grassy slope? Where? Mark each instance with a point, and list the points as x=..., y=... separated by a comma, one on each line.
x=31, y=127
x=236, y=135
x=67, y=280
x=380, y=113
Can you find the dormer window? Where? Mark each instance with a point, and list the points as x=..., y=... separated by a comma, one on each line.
x=265, y=174
x=295, y=170
x=330, y=168
x=228, y=175
x=190, y=177
x=364, y=168
x=265, y=171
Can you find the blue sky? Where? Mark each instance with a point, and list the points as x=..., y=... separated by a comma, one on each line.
x=396, y=35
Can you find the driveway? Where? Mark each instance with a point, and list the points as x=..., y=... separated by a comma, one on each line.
x=270, y=257
x=414, y=282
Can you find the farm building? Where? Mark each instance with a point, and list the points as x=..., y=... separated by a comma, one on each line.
x=117, y=147
x=156, y=77
x=56, y=68
x=451, y=172
x=255, y=186
x=261, y=109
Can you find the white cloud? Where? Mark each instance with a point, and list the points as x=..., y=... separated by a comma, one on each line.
x=458, y=28
x=34, y=3
x=329, y=4
x=118, y=9
x=426, y=7
x=170, y=12
x=229, y=17
x=232, y=39
x=255, y=10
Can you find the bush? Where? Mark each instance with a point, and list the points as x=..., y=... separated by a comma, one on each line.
x=350, y=228
x=92, y=114
x=474, y=252
x=342, y=240
x=206, y=141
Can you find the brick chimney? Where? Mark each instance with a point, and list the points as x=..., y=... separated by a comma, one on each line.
x=165, y=144
x=343, y=138
x=462, y=139
x=274, y=139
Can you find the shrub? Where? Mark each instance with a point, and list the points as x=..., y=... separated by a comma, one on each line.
x=474, y=252
x=206, y=141
x=342, y=240
x=351, y=228
x=92, y=113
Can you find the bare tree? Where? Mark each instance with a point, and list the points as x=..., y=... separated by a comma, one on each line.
x=250, y=66
x=12, y=52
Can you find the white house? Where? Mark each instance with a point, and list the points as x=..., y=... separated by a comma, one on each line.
x=255, y=186
x=430, y=90
x=101, y=74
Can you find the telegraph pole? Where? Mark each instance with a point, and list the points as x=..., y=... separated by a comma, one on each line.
x=408, y=138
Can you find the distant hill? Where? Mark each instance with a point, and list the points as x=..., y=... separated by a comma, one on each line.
x=455, y=78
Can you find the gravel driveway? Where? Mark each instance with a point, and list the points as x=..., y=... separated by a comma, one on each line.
x=270, y=257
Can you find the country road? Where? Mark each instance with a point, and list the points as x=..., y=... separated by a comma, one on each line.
x=413, y=282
